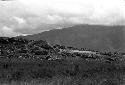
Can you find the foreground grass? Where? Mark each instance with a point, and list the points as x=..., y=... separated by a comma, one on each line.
x=78, y=72
x=91, y=79
x=68, y=81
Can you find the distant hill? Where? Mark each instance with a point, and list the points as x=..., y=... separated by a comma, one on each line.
x=95, y=37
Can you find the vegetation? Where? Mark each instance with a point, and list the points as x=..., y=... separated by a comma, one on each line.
x=24, y=62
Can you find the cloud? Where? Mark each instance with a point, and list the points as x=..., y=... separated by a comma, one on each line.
x=6, y=31
x=19, y=20
x=83, y=11
x=33, y=16
x=6, y=0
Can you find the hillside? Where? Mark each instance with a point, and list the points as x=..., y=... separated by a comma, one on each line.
x=19, y=48
x=37, y=62
x=96, y=37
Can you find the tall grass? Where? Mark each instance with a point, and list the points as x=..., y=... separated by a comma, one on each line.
x=61, y=72
x=68, y=81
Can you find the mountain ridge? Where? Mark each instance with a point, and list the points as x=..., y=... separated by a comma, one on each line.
x=99, y=37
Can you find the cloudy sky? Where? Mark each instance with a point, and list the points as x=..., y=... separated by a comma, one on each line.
x=32, y=16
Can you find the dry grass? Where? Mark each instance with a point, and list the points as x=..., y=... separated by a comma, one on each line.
x=98, y=80
x=61, y=73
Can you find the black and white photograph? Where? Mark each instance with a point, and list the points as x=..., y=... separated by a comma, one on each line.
x=62, y=42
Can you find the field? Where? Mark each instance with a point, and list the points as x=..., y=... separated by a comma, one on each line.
x=60, y=72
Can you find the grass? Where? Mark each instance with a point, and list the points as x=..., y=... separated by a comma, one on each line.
x=68, y=81
x=61, y=72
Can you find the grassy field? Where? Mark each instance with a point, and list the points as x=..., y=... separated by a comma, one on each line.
x=98, y=80
x=60, y=72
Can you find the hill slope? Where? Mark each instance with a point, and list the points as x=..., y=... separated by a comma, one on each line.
x=87, y=36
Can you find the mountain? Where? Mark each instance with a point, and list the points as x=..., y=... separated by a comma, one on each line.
x=97, y=37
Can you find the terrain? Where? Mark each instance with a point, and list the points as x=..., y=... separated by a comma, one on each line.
x=97, y=37
x=37, y=62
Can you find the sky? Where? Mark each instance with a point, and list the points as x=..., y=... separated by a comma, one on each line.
x=22, y=17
